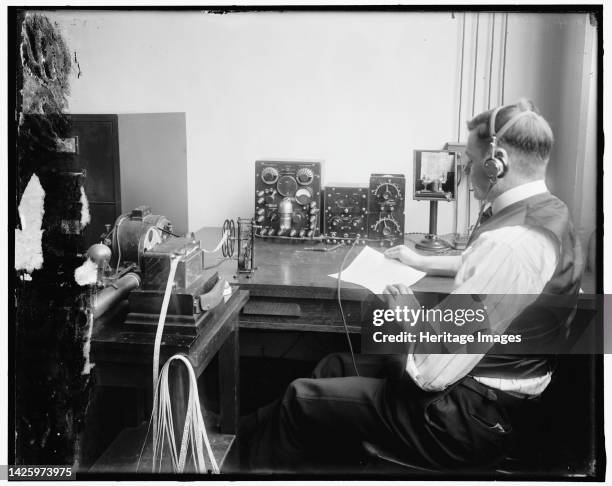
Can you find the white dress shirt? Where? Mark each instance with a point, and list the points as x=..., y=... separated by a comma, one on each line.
x=513, y=261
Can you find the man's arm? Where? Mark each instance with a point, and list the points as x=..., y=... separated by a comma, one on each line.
x=445, y=266
x=510, y=270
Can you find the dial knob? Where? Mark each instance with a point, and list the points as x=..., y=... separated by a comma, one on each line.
x=269, y=175
x=304, y=176
x=302, y=233
x=260, y=211
x=303, y=195
x=293, y=232
x=260, y=193
x=260, y=219
x=286, y=186
x=260, y=200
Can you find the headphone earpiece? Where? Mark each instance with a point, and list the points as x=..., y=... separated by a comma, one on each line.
x=495, y=165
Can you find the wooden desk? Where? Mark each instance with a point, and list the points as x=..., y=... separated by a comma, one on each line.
x=124, y=358
x=288, y=273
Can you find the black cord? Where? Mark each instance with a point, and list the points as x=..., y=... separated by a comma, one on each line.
x=221, y=260
x=168, y=232
x=348, y=336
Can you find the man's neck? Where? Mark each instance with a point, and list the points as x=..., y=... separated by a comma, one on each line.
x=518, y=193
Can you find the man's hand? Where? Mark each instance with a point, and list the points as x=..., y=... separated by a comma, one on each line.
x=399, y=295
x=405, y=255
x=397, y=289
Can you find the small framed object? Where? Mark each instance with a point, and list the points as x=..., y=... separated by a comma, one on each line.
x=435, y=174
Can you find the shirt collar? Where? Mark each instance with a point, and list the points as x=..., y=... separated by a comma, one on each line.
x=518, y=193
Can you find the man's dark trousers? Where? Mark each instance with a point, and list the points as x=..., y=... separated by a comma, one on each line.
x=320, y=422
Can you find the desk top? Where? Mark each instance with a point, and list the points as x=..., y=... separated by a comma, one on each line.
x=289, y=268
x=297, y=272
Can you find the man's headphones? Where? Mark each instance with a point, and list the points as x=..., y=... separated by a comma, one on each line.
x=495, y=166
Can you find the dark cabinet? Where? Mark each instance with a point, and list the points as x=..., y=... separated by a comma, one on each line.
x=97, y=153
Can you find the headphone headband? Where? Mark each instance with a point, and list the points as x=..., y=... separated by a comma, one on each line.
x=496, y=165
x=492, y=121
x=497, y=135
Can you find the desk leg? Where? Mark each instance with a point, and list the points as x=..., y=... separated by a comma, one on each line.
x=229, y=381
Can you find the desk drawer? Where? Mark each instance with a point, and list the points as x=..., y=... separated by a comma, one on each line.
x=300, y=314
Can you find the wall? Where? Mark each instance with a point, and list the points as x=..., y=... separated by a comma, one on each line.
x=359, y=91
x=552, y=59
x=152, y=151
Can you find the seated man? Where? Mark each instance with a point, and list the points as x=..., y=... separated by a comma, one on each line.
x=447, y=410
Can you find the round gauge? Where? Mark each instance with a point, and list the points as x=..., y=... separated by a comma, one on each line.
x=304, y=176
x=387, y=191
x=303, y=195
x=269, y=175
x=387, y=226
x=286, y=186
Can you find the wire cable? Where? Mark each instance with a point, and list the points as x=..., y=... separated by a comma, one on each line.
x=223, y=239
x=339, y=287
x=194, y=430
x=219, y=262
x=116, y=229
x=194, y=434
x=160, y=328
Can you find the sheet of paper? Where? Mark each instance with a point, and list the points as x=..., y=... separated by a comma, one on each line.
x=374, y=271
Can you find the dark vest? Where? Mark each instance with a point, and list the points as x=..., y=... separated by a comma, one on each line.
x=541, y=324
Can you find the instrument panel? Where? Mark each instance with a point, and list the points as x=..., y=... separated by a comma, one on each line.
x=345, y=212
x=386, y=212
x=287, y=198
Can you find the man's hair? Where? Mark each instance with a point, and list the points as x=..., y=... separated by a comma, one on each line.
x=530, y=136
